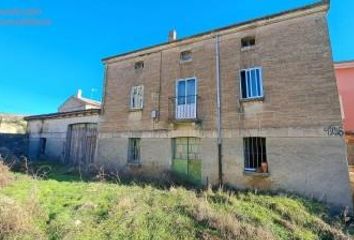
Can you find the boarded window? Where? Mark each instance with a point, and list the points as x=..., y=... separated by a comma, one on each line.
x=139, y=65
x=251, y=83
x=186, y=148
x=247, y=42
x=255, y=154
x=137, y=97
x=186, y=56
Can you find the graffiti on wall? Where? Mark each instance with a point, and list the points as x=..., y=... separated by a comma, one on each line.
x=333, y=130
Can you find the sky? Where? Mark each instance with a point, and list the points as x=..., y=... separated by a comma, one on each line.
x=49, y=49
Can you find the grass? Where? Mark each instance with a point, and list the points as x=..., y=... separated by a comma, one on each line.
x=64, y=207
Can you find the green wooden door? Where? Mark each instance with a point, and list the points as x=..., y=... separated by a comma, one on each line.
x=186, y=163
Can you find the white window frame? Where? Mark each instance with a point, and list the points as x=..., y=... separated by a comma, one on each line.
x=189, y=109
x=246, y=70
x=186, y=79
x=137, y=106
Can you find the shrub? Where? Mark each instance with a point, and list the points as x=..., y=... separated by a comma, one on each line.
x=5, y=175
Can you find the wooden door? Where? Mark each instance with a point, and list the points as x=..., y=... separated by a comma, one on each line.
x=81, y=144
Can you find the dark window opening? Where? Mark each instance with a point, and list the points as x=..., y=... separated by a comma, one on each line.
x=134, y=150
x=248, y=42
x=42, y=145
x=139, y=65
x=255, y=154
x=243, y=84
x=186, y=56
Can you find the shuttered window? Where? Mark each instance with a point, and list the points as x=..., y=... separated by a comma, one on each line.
x=137, y=97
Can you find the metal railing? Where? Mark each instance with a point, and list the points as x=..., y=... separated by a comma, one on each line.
x=184, y=108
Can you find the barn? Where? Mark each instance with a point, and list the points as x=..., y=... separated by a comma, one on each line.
x=67, y=136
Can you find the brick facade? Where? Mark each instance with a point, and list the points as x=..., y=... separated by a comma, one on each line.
x=300, y=101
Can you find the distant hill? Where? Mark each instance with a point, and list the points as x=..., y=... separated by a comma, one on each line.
x=10, y=123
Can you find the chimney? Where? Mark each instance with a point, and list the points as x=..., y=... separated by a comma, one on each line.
x=79, y=93
x=172, y=35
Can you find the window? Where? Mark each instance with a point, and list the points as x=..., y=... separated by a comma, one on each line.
x=134, y=150
x=139, y=65
x=186, y=99
x=248, y=42
x=137, y=97
x=186, y=148
x=186, y=56
x=42, y=145
x=251, y=83
x=255, y=154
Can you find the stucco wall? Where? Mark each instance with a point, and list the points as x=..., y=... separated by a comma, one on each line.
x=345, y=81
x=54, y=130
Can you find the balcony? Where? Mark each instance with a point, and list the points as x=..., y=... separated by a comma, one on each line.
x=184, y=109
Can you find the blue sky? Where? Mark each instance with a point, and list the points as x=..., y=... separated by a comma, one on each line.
x=42, y=64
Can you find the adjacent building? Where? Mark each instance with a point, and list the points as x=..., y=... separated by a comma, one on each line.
x=68, y=136
x=252, y=105
x=345, y=82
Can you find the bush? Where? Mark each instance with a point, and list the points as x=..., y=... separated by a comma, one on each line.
x=5, y=175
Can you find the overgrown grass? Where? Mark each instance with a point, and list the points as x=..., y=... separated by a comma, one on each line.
x=68, y=208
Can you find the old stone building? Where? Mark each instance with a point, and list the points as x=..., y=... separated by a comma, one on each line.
x=252, y=105
x=66, y=136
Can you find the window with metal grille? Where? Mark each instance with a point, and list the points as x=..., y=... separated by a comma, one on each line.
x=255, y=154
x=134, y=150
x=248, y=42
x=251, y=83
x=137, y=97
x=186, y=148
x=186, y=56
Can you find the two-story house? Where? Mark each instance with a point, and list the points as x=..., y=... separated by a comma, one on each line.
x=253, y=105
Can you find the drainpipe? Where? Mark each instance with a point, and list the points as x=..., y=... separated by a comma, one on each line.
x=104, y=88
x=218, y=108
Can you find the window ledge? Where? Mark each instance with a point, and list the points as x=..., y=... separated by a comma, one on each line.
x=185, y=61
x=136, y=110
x=256, y=174
x=137, y=165
x=244, y=49
x=256, y=99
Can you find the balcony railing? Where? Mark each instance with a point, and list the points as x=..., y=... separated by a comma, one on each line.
x=184, y=108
